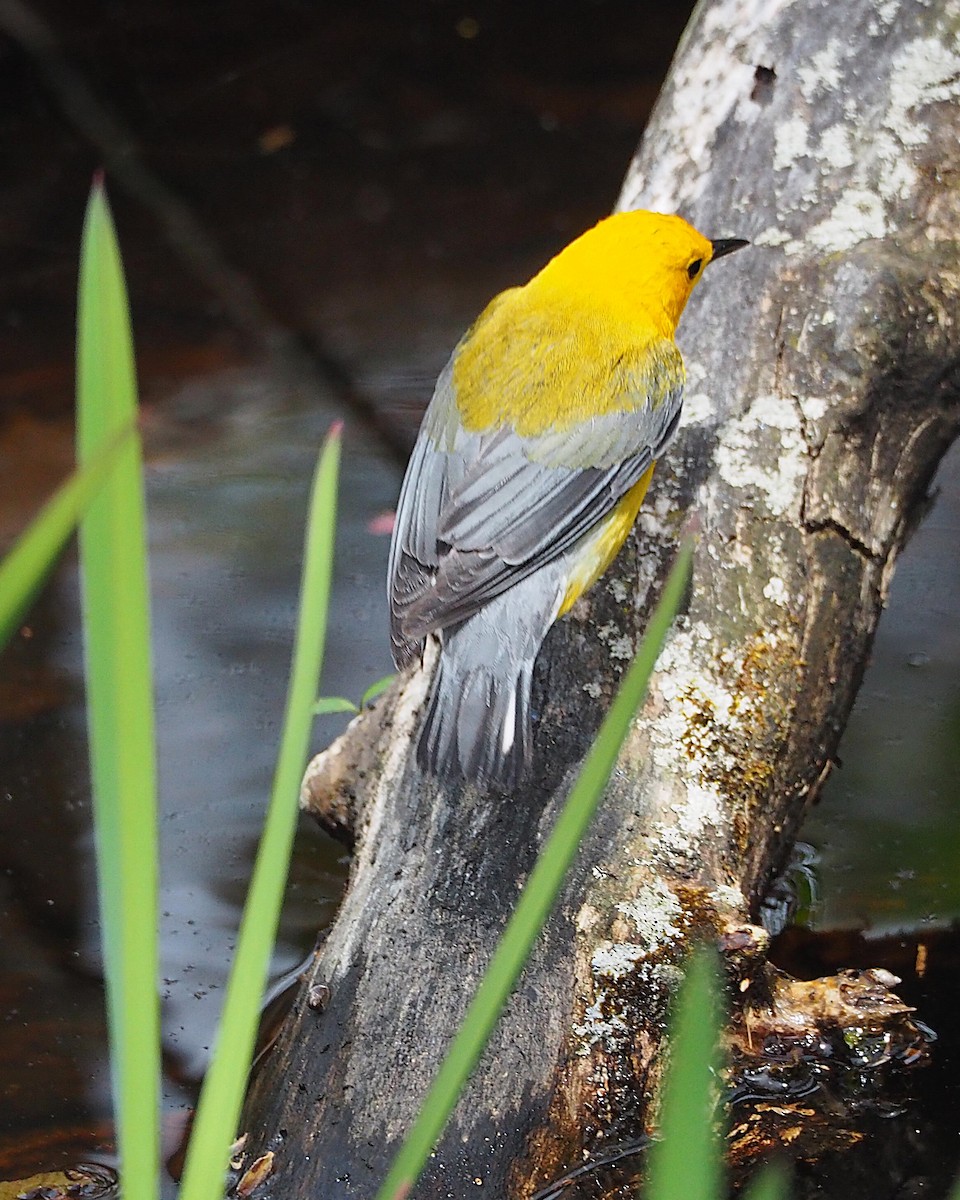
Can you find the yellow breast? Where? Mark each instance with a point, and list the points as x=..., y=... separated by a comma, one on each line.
x=599, y=548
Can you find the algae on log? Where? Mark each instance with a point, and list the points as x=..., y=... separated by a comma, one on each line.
x=824, y=386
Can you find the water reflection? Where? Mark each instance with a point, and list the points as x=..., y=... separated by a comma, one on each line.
x=226, y=517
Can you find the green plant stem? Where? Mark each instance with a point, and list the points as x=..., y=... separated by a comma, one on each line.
x=687, y=1160
x=116, y=626
x=32, y=556
x=221, y=1098
x=771, y=1183
x=537, y=898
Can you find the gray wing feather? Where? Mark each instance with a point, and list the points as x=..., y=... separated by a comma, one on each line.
x=413, y=547
x=479, y=512
x=467, y=579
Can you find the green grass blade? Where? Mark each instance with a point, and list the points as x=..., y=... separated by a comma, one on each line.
x=218, y=1112
x=537, y=897
x=687, y=1161
x=326, y=705
x=770, y=1183
x=116, y=625
x=376, y=689
x=32, y=556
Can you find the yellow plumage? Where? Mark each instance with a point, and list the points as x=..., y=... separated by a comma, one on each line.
x=601, y=546
x=531, y=464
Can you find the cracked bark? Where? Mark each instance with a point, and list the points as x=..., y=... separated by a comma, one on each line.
x=824, y=386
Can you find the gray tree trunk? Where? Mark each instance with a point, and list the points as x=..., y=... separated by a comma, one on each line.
x=824, y=386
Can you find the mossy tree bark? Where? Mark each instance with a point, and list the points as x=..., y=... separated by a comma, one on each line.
x=824, y=386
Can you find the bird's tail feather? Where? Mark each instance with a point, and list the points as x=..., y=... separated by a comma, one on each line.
x=477, y=725
x=478, y=722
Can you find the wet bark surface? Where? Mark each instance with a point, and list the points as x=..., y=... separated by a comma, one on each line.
x=824, y=386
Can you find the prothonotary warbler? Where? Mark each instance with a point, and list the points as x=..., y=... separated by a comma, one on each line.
x=531, y=463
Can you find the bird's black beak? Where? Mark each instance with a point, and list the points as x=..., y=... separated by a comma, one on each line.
x=727, y=246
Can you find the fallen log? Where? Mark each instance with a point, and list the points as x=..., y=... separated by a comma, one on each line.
x=823, y=389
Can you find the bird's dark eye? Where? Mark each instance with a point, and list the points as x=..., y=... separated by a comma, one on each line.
x=694, y=269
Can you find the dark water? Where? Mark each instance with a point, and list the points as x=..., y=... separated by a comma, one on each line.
x=226, y=527
x=888, y=827
x=372, y=179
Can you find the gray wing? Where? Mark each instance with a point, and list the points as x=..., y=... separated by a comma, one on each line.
x=478, y=512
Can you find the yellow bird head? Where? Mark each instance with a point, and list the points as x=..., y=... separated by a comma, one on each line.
x=641, y=265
